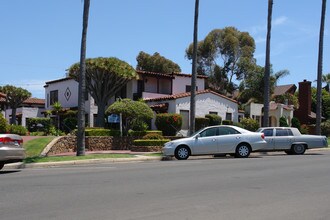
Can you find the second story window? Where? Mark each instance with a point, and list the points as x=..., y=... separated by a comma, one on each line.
x=188, y=88
x=53, y=97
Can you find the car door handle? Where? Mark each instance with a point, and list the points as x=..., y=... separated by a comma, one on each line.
x=213, y=139
x=238, y=137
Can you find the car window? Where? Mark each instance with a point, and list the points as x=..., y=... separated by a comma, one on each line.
x=209, y=132
x=283, y=132
x=227, y=130
x=268, y=132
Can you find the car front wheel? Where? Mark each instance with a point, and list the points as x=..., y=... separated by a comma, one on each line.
x=182, y=153
x=298, y=149
x=243, y=151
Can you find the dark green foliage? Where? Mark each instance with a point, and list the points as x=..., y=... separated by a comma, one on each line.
x=295, y=123
x=156, y=63
x=150, y=142
x=130, y=111
x=3, y=124
x=283, y=122
x=168, y=123
x=17, y=129
x=153, y=136
x=142, y=133
x=325, y=128
x=69, y=124
x=325, y=103
x=249, y=124
x=138, y=125
x=227, y=122
x=201, y=123
x=39, y=124
x=101, y=132
x=214, y=119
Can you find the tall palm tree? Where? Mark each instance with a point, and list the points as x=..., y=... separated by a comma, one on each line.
x=326, y=80
x=194, y=73
x=319, y=72
x=267, y=66
x=82, y=84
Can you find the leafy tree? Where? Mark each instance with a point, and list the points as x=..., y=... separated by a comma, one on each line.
x=156, y=63
x=130, y=111
x=292, y=99
x=57, y=108
x=228, y=50
x=326, y=79
x=104, y=77
x=295, y=123
x=249, y=124
x=15, y=96
x=3, y=124
x=283, y=122
x=325, y=102
x=253, y=85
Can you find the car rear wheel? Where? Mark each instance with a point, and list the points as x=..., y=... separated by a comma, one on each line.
x=1, y=165
x=243, y=151
x=298, y=149
x=181, y=153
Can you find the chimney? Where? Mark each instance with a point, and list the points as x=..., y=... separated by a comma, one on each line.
x=305, y=102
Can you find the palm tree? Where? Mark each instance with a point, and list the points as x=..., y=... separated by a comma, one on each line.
x=194, y=73
x=326, y=79
x=319, y=72
x=57, y=108
x=82, y=84
x=267, y=66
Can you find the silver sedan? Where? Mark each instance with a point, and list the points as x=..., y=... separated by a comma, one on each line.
x=214, y=140
x=11, y=149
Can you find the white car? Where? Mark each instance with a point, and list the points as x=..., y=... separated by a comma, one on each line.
x=222, y=139
x=11, y=149
x=291, y=140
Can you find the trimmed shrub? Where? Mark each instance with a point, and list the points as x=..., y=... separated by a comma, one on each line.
x=283, y=122
x=168, y=123
x=325, y=128
x=141, y=142
x=142, y=133
x=153, y=136
x=227, y=122
x=17, y=129
x=249, y=124
x=39, y=124
x=304, y=129
x=214, y=119
x=139, y=125
x=295, y=123
x=201, y=123
x=3, y=124
x=101, y=132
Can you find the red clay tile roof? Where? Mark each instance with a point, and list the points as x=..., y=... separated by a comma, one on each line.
x=170, y=75
x=186, y=94
x=280, y=90
x=36, y=101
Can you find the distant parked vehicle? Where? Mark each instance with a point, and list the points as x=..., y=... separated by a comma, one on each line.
x=291, y=140
x=11, y=149
x=216, y=140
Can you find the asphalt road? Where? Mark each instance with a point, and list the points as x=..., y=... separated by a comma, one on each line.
x=275, y=186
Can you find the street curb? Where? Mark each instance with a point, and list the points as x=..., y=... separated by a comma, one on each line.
x=138, y=158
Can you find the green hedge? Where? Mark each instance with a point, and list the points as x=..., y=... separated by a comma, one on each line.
x=39, y=124
x=3, y=124
x=17, y=129
x=149, y=142
x=214, y=119
x=227, y=122
x=168, y=123
x=201, y=123
x=143, y=133
x=101, y=132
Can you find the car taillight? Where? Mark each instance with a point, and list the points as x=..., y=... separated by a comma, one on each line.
x=6, y=140
x=262, y=135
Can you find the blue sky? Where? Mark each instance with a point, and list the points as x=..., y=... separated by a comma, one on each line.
x=41, y=39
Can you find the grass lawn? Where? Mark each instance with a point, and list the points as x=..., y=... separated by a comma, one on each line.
x=34, y=147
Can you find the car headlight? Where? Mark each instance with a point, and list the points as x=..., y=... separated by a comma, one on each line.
x=169, y=144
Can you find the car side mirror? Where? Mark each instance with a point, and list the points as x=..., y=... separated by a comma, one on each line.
x=197, y=136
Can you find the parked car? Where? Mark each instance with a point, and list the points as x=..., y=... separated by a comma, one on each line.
x=216, y=140
x=11, y=149
x=291, y=140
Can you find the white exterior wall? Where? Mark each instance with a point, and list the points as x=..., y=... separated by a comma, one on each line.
x=62, y=86
x=180, y=83
x=208, y=102
x=27, y=112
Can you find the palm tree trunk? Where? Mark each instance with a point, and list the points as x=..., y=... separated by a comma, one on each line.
x=319, y=73
x=194, y=73
x=267, y=66
x=82, y=85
